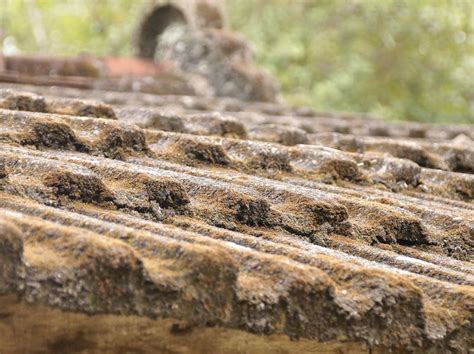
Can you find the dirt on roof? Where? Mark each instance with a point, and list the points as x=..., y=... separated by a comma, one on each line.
x=133, y=220
x=216, y=213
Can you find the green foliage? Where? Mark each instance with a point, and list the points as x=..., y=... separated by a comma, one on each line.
x=401, y=59
x=69, y=27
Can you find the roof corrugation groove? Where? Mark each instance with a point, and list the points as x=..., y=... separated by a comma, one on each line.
x=259, y=217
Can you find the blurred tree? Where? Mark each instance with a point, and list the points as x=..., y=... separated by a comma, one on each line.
x=399, y=59
x=102, y=27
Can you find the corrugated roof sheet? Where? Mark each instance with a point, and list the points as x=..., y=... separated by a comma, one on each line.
x=253, y=216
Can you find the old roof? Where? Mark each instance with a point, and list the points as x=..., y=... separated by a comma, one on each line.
x=218, y=213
